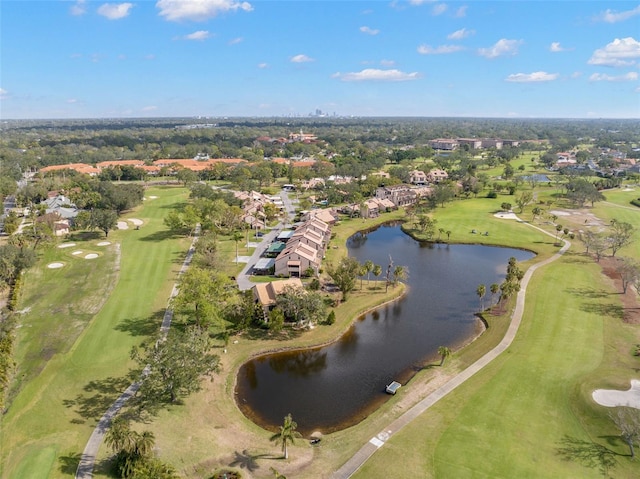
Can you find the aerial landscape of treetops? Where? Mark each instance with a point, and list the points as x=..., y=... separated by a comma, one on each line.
x=355, y=239
x=93, y=247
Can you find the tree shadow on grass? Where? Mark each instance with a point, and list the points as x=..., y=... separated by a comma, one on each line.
x=261, y=334
x=148, y=326
x=588, y=454
x=86, y=236
x=609, y=310
x=68, y=465
x=98, y=397
x=159, y=236
x=245, y=460
x=590, y=293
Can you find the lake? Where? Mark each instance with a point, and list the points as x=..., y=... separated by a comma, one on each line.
x=336, y=386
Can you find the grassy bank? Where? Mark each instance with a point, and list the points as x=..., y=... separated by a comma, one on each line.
x=530, y=412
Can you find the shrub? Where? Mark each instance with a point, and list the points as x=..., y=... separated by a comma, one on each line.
x=331, y=318
x=226, y=474
x=492, y=194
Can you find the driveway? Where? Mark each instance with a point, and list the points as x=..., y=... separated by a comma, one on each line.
x=242, y=279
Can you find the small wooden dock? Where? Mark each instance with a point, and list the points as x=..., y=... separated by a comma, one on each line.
x=393, y=387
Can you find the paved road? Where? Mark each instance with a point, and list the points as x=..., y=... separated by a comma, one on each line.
x=362, y=455
x=88, y=458
x=243, y=278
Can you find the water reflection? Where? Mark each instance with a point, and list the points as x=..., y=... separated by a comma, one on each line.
x=299, y=363
x=338, y=385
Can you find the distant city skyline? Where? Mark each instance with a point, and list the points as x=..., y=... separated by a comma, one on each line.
x=415, y=58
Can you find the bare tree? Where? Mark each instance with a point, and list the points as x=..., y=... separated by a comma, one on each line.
x=627, y=419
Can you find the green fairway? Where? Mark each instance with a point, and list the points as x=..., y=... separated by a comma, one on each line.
x=530, y=412
x=73, y=361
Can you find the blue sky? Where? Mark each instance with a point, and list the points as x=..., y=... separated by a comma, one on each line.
x=161, y=58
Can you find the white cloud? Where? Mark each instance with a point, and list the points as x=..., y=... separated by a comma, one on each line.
x=3, y=94
x=198, y=10
x=369, y=31
x=637, y=90
x=619, y=53
x=501, y=48
x=199, y=35
x=301, y=59
x=460, y=34
x=440, y=50
x=262, y=66
x=417, y=3
x=555, y=47
x=631, y=76
x=78, y=8
x=71, y=101
x=114, y=11
x=235, y=41
x=374, y=74
x=439, y=9
x=387, y=63
x=611, y=16
x=576, y=74
x=461, y=12
x=150, y=108
x=150, y=56
x=531, y=77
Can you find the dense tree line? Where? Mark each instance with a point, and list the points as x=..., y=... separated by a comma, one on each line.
x=32, y=144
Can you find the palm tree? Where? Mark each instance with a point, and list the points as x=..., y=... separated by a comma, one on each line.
x=368, y=265
x=145, y=443
x=287, y=434
x=377, y=270
x=537, y=211
x=399, y=273
x=362, y=271
x=237, y=236
x=495, y=289
x=120, y=437
x=481, y=291
x=444, y=353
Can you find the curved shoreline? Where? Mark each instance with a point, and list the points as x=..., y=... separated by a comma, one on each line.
x=367, y=450
x=267, y=352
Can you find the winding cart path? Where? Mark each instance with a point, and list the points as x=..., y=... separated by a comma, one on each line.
x=88, y=458
x=376, y=442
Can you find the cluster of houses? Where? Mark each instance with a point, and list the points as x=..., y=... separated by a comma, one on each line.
x=253, y=207
x=300, y=137
x=621, y=163
x=450, y=144
x=298, y=252
x=294, y=254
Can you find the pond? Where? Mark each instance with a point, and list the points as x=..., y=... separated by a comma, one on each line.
x=336, y=386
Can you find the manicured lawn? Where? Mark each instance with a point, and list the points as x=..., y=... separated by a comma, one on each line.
x=74, y=359
x=530, y=412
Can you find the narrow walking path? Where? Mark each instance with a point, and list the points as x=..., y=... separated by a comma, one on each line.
x=362, y=455
x=88, y=458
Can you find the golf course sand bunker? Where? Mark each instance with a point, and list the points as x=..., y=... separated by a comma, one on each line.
x=91, y=256
x=123, y=225
x=152, y=197
x=104, y=243
x=614, y=398
x=55, y=265
x=66, y=245
x=136, y=221
x=76, y=253
x=506, y=215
